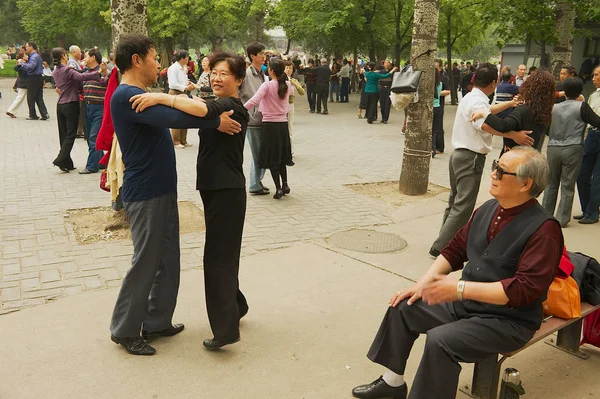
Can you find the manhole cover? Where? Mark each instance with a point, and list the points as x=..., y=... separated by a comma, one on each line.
x=368, y=241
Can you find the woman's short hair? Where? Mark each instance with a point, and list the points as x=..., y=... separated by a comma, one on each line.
x=534, y=167
x=573, y=87
x=236, y=63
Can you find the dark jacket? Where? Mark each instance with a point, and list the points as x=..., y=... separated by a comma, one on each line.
x=22, y=79
x=520, y=119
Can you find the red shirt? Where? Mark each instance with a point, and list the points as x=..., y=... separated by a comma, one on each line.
x=537, y=265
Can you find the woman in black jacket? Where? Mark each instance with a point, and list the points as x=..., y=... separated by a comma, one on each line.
x=537, y=95
x=221, y=182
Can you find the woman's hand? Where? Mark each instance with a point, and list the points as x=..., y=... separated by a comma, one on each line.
x=143, y=101
x=478, y=114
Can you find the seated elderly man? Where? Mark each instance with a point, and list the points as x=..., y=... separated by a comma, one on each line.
x=513, y=247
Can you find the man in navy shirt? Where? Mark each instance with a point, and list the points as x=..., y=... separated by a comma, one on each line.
x=506, y=91
x=35, y=82
x=148, y=295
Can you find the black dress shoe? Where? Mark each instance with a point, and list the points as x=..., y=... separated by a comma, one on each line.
x=214, y=344
x=579, y=217
x=260, y=192
x=264, y=187
x=286, y=189
x=167, y=332
x=588, y=220
x=380, y=389
x=434, y=252
x=32, y=118
x=135, y=345
x=278, y=194
x=45, y=117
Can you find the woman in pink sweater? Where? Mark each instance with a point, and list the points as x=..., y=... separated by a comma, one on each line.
x=272, y=99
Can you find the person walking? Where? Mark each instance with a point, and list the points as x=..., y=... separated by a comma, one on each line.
x=385, y=87
x=310, y=77
x=272, y=99
x=372, y=90
x=297, y=89
x=35, y=82
x=21, y=89
x=179, y=84
x=254, y=79
x=68, y=82
x=323, y=74
x=344, y=74
x=334, y=79
x=588, y=181
x=437, y=128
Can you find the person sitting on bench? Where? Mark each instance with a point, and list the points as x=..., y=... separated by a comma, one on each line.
x=513, y=247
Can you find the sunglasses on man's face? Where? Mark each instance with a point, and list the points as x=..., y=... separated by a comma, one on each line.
x=499, y=171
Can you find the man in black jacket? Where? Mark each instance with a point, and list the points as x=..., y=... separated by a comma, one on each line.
x=323, y=74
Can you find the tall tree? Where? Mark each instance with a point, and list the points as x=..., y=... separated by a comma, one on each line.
x=11, y=30
x=414, y=177
x=128, y=16
x=565, y=24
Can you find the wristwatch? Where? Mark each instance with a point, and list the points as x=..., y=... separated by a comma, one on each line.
x=460, y=288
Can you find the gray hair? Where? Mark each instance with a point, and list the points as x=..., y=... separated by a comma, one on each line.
x=534, y=167
x=73, y=48
x=323, y=60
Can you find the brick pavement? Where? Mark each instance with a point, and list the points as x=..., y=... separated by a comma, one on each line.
x=40, y=259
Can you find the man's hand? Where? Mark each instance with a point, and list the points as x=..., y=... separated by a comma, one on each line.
x=413, y=293
x=228, y=125
x=442, y=289
x=515, y=101
x=190, y=87
x=521, y=137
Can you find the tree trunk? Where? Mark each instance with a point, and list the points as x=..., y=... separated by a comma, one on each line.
x=527, y=50
x=453, y=93
x=565, y=22
x=414, y=177
x=167, y=54
x=354, y=82
x=544, y=59
x=289, y=44
x=128, y=16
x=259, y=26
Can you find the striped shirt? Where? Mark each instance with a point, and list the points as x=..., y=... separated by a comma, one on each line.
x=94, y=92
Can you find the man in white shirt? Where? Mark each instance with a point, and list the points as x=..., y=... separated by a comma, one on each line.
x=471, y=144
x=179, y=84
x=521, y=75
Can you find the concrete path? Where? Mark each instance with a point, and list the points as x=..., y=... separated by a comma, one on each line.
x=314, y=308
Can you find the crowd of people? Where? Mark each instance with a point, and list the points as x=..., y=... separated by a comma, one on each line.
x=513, y=243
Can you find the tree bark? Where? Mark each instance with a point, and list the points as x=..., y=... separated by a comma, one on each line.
x=128, y=16
x=414, y=177
x=565, y=22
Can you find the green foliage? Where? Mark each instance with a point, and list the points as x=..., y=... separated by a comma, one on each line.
x=466, y=28
x=65, y=22
x=11, y=30
x=8, y=70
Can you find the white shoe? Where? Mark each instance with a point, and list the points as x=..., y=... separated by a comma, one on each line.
x=188, y=145
x=179, y=146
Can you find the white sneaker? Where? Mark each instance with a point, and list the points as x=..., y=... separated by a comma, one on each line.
x=179, y=146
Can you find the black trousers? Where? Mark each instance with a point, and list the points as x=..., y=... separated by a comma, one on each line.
x=345, y=90
x=372, y=99
x=311, y=94
x=385, y=102
x=224, y=214
x=35, y=95
x=68, y=118
x=322, y=93
x=437, y=129
x=453, y=336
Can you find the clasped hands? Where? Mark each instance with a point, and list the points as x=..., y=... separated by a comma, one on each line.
x=438, y=289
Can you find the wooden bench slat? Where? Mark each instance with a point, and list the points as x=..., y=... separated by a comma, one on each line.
x=554, y=324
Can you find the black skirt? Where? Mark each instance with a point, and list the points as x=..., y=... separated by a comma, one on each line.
x=363, y=100
x=275, y=146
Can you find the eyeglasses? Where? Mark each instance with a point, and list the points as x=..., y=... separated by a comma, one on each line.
x=222, y=75
x=499, y=171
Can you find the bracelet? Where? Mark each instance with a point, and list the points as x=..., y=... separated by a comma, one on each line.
x=460, y=288
x=173, y=101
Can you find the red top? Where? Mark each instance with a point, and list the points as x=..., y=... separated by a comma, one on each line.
x=537, y=264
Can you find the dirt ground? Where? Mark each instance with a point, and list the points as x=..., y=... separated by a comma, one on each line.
x=103, y=224
x=389, y=192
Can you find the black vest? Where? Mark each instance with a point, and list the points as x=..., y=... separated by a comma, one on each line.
x=497, y=260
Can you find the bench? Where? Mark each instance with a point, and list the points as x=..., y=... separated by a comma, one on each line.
x=486, y=375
